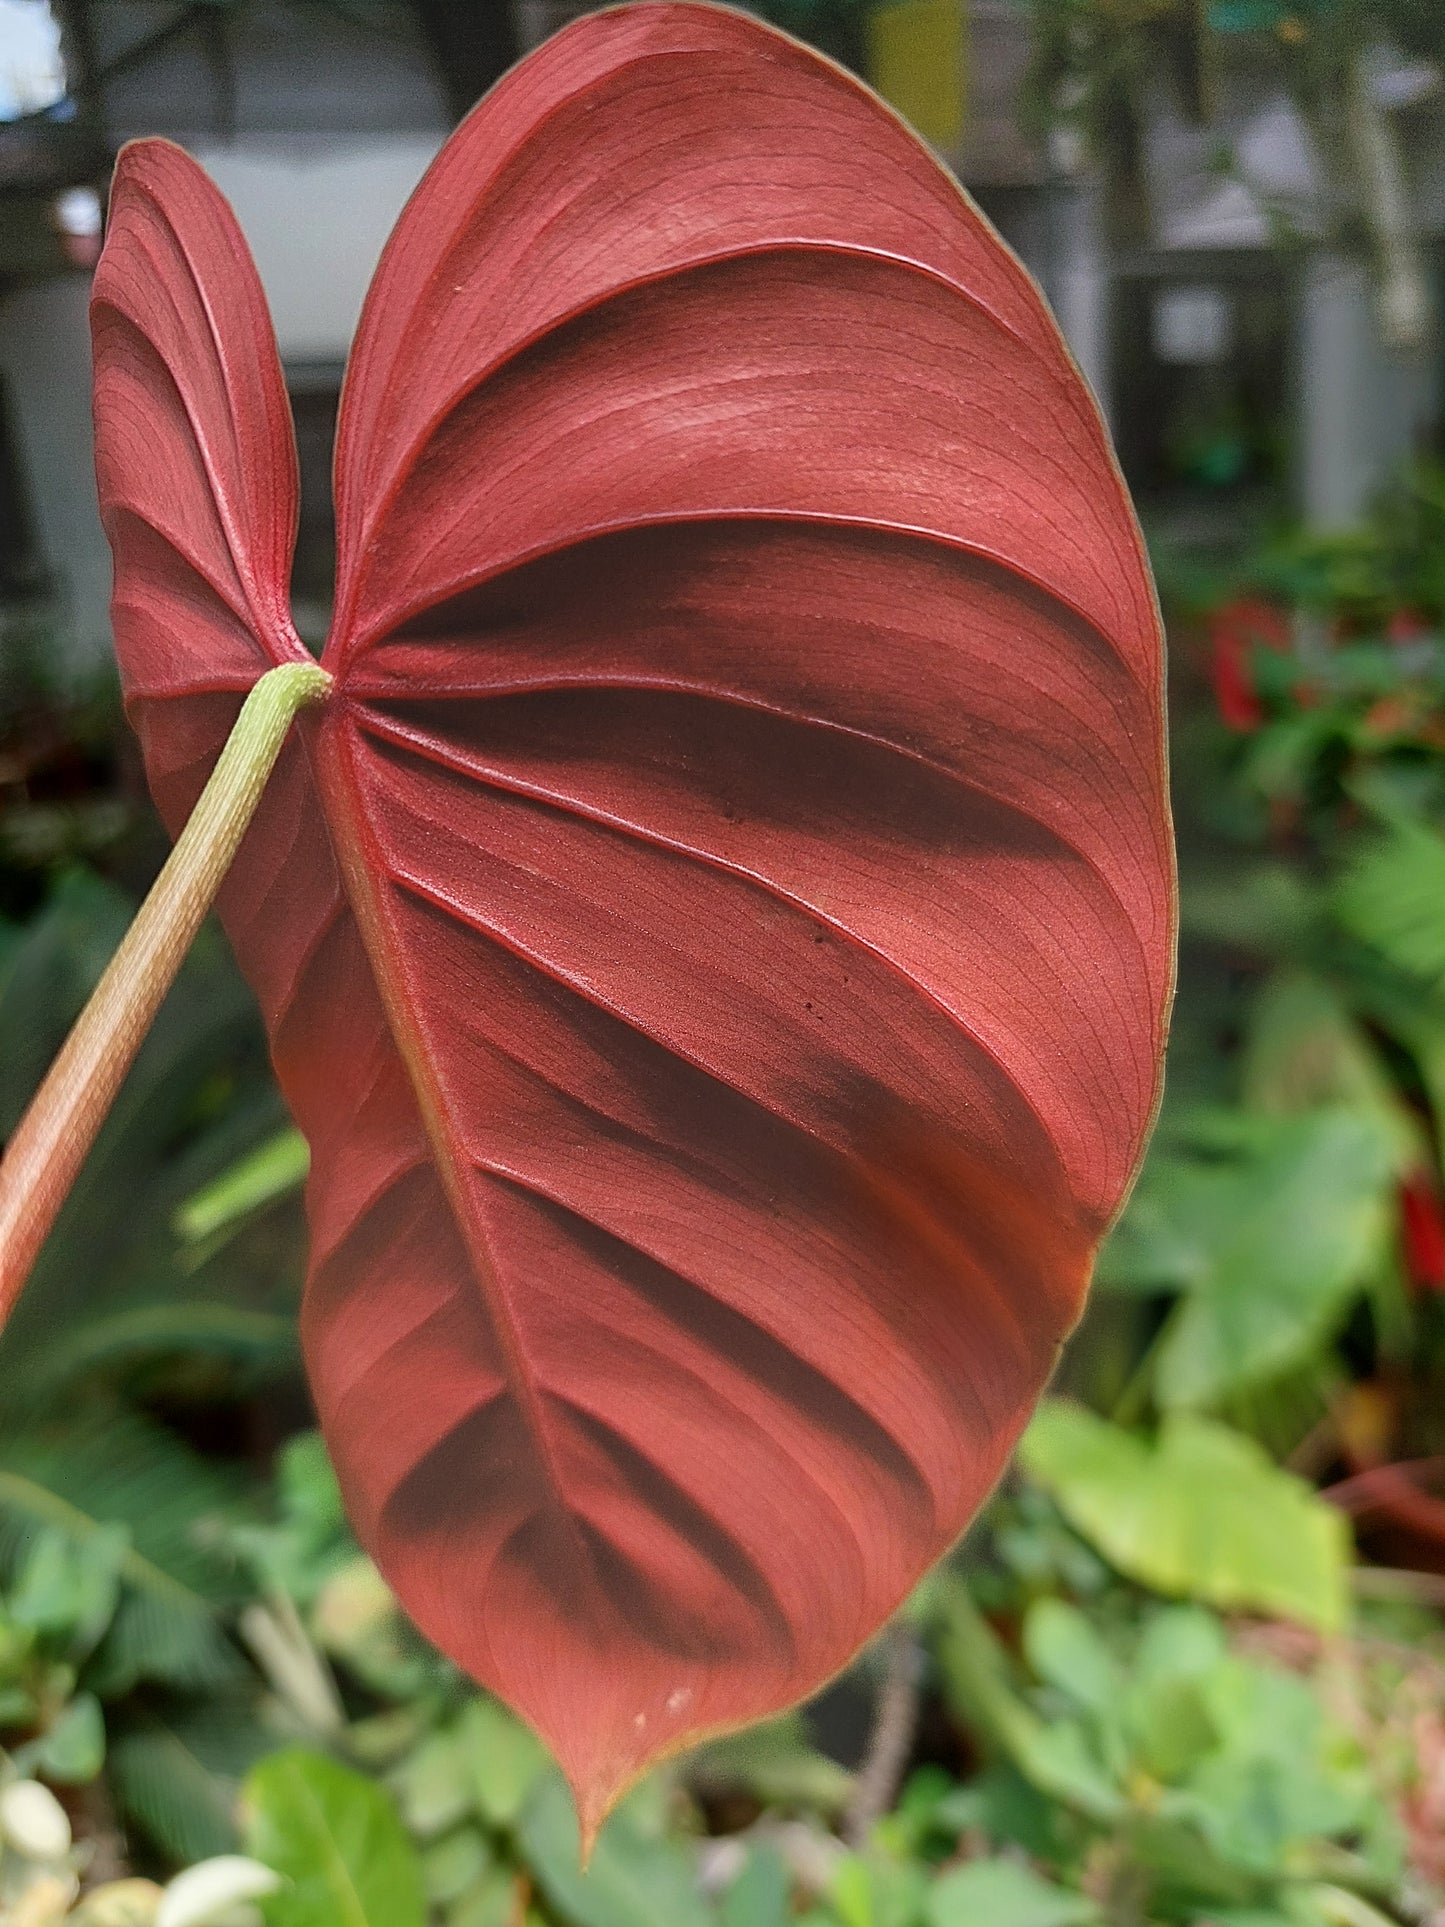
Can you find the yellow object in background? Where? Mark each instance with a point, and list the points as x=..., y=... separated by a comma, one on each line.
x=917, y=61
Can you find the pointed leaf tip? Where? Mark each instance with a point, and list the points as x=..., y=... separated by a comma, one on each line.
x=716, y=936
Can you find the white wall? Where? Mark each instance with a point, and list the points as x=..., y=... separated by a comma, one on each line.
x=1361, y=410
x=316, y=217
x=45, y=355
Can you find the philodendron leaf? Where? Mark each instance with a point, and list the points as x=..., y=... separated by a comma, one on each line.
x=716, y=934
x=1201, y=1513
x=337, y=1842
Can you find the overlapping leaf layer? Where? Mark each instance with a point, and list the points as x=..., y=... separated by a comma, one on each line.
x=716, y=936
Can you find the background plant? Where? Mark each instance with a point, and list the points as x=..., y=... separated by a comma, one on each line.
x=1100, y=68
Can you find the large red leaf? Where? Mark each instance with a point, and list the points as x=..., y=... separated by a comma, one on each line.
x=716, y=936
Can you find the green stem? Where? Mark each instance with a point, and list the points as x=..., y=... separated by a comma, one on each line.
x=53, y=1138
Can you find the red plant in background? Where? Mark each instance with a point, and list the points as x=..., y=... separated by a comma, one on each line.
x=716, y=933
x=1422, y=1228
x=1236, y=630
x=1407, y=626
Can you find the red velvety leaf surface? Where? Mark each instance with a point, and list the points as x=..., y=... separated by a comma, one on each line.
x=716, y=936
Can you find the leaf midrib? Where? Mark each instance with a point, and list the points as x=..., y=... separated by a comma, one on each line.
x=347, y=822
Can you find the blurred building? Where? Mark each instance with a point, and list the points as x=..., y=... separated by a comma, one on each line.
x=1235, y=371
x=315, y=119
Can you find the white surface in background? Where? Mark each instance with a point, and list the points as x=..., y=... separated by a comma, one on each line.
x=77, y=212
x=45, y=362
x=1193, y=326
x=316, y=218
x=1273, y=175
x=32, y=74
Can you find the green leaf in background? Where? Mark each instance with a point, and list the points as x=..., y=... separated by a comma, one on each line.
x=775, y=1763
x=1418, y=1025
x=137, y=1333
x=72, y=1748
x=495, y=1900
x=337, y=1840
x=1324, y=1905
x=1393, y=898
x=457, y=1864
x=253, y=1181
x=759, y=1896
x=1165, y=1707
x=127, y=1473
x=1282, y=1242
x=872, y=1892
x=432, y=1787
x=1266, y=907
x=1304, y=1051
x=483, y=1763
x=502, y=1759
x=635, y=1878
x=355, y=1618
x=1054, y=1757
x=197, y=1091
x=311, y=1540
x=176, y=1775
x=1166, y=1238
x=1064, y=1649
x=50, y=972
x=1002, y=1804
x=68, y=1587
x=1202, y=1513
x=1000, y=1893
x=1277, y=1778
x=1068, y=1654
